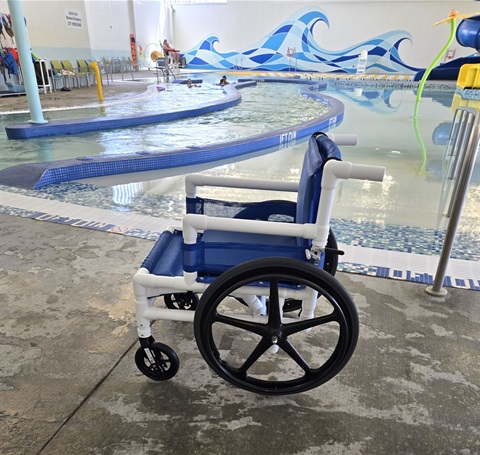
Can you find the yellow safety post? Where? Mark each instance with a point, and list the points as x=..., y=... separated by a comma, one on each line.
x=98, y=77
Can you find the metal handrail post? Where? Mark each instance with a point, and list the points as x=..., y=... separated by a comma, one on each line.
x=457, y=132
x=458, y=199
x=460, y=162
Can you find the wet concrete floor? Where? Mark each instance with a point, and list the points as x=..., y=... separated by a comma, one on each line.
x=69, y=384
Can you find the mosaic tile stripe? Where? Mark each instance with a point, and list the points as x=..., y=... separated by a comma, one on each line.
x=407, y=275
x=366, y=234
x=363, y=269
x=77, y=222
x=406, y=239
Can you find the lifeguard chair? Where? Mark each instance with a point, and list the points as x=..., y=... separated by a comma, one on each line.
x=292, y=54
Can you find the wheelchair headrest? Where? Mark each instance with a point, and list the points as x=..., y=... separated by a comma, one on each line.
x=320, y=150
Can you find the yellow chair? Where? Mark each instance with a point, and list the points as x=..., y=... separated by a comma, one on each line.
x=73, y=72
x=60, y=76
x=131, y=65
x=83, y=69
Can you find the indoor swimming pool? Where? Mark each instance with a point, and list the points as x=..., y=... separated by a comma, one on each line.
x=403, y=214
x=264, y=107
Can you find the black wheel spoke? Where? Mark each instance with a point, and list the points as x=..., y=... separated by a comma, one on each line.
x=255, y=355
x=249, y=326
x=304, y=324
x=274, y=313
x=288, y=347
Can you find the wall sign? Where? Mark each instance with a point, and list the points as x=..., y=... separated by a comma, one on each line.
x=73, y=18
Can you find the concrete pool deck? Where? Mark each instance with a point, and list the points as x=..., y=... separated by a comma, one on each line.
x=116, y=91
x=69, y=384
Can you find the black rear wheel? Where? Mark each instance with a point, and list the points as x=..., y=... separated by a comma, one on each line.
x=330, y=262
x=240, y=347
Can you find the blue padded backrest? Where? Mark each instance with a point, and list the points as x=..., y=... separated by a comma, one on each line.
x=320, y=150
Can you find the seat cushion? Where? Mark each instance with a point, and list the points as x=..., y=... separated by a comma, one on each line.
x=218, y=251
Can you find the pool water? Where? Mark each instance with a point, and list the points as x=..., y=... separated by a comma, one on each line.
x=263, y=108
x=411, y=195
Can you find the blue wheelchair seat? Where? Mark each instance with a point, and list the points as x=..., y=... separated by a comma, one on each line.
x=217, y=251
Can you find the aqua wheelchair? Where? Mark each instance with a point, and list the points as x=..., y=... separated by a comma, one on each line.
x=257, y=281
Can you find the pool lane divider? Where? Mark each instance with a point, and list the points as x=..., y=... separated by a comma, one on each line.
x=100, y=166
x=85, y=125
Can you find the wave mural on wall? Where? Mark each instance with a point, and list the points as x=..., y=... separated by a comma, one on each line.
x=270, y=53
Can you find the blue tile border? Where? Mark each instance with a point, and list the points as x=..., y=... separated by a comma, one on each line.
x=407, y=275
x=100, y=166
x=361, y=269
x=83, y=125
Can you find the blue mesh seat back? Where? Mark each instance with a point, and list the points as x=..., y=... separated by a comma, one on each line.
x=218, y=251
x=320, y=150
x=275, y=210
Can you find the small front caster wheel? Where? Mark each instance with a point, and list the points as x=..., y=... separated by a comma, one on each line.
x=157, y=361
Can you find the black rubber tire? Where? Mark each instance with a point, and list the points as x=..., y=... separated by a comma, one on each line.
x=181, y=301
x=165, y=365
x=272, y=330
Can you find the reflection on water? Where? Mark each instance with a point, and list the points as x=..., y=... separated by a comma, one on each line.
x=264, y=108
x=411, y=194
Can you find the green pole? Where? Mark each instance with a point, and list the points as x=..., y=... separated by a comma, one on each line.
x=423, y=149
x=434, y=63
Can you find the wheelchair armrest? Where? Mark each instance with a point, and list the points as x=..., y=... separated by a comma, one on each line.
x=193, y=224
x=193, y=181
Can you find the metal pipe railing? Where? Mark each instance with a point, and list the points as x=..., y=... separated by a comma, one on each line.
x=464, y=142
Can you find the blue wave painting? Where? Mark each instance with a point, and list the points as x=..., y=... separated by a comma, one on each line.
x=269, y=53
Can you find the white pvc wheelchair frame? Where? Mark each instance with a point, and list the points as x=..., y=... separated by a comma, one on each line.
x=147, y=286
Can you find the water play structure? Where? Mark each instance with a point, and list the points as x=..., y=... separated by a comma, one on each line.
x=467, y=35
